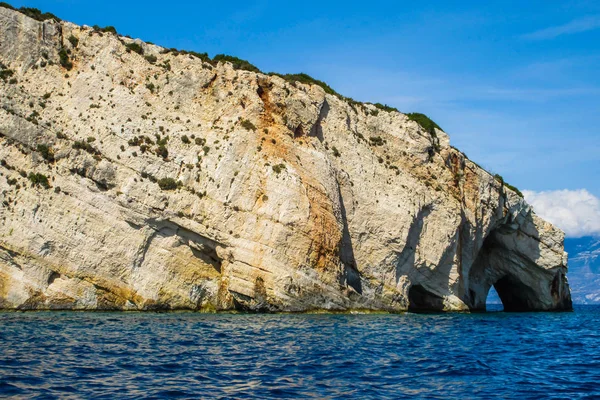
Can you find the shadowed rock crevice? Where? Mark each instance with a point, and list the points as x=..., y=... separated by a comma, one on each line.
x=406, y=259
x=560, y=291
x=422, y=300
x=53, y=276
x=202, y=247
x=351, y=276
x=258, y=302
x=298, y=132
x=263, y=91
x=10, y=257
x=317, y=129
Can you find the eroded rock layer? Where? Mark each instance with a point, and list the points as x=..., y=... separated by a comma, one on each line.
x=158, y=181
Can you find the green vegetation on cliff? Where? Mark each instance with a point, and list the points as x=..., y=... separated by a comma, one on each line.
x=500, y=179
x=424, y=121
x=168, y=184
x=39, y=180
x=31, y=12
x=306, y=79
x=237, y=63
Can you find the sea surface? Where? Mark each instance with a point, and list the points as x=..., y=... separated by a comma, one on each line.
x=188, y=355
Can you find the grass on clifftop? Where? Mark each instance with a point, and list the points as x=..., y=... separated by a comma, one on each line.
x=424, y=121
x=106, y=29
x=203, y=56
x=31, y=12
x=237, y=63
x=500, y=179
x=306, y=79
x=385, y=107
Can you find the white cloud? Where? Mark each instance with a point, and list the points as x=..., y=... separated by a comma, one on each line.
x=578, y=25
x=577, y=212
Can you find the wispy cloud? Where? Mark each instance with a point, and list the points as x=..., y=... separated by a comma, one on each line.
x=577, y=212
x=576, y=26
x=409, y=91
x=536, y=94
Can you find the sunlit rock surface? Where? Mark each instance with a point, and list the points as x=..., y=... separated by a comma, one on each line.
x=176, y=184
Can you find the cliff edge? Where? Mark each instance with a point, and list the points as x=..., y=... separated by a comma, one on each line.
x=134, y=177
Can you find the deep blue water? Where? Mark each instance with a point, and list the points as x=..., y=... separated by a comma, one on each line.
x=187, y=355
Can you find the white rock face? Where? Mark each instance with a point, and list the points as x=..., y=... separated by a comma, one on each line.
x=286, y=198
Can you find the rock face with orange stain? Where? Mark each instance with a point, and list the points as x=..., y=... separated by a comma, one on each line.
x=139, y=183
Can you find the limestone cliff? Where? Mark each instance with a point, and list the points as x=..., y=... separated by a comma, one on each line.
x=138, y=178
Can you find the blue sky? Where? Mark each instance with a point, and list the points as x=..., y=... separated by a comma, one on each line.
x=515, y=84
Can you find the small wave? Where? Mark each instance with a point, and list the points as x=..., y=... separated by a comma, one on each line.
x=305, y=356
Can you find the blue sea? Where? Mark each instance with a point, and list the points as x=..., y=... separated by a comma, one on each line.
x=237, y=356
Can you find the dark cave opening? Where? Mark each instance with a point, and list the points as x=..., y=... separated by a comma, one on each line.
x=499, y=279
x=514, y=294
x=422, y=300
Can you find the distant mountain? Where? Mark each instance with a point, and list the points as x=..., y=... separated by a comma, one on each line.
x=584, y=269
